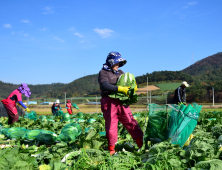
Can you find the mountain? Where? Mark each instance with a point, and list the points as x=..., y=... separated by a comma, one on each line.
x=37, y=90
x=80, y=87
x=205, y=65
x=160, y=76
x=207, y=70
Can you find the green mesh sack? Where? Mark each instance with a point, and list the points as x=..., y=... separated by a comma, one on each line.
x=80, y=115
x=33, y=134
x=157, y=126
x=126, y=80
x=32, y=115
x=183, y=122
x=102, y=133
x=4, y=131
x=26, y=115
x=91, y=120
x=70, y=132
x=59, y=113
x=66, y=117
x=47, y=137
x=75, y=106
x=18, y=134
x=14, y=129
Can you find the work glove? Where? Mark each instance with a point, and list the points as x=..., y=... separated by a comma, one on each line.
x=123, y=90
x=56, y=107
x=135, y=89
x=27, y=109
x=180, y=103
x=67, y=108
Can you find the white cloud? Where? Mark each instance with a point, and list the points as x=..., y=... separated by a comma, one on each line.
x=44, y=29
x=71, y=29
x=192, y=3
x=104, y=33
x=7, y=26
x=58, y=39
x=26, y=21
x=48, y=10
x=78, y=34
x=21, y=33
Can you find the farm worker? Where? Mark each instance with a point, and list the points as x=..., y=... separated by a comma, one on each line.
x=69, y=107
x=56, y=107
x=180, y=94
x=113, y=110
x=12, y=99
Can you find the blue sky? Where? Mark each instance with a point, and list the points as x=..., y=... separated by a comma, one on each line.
x=43, y=42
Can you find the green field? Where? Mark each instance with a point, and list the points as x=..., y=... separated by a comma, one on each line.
x=168, y=86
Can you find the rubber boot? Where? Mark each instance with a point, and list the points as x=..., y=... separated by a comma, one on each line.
x=111, y=150
x=139, y=142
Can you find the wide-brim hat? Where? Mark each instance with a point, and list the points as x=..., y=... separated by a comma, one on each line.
x=57, y=101
x=185, y=84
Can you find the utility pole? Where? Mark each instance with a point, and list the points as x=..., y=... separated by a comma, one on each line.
x=147, y=91
x=27, y=99
x=65, y=99
x=150, y=96
x=96, y=105
x=166, y=96
x=213, y=96
x=192, y=60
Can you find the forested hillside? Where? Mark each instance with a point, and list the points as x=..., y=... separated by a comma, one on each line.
x=205, y=65
x=83, y=86
x=37, y=90
x=203, y=75
x=158, y=76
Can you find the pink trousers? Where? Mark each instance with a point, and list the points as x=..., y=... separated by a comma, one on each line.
x=114, y=111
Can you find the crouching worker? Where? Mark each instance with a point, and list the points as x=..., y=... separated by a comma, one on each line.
x=12, y=99
x=180, y=94
x=69, y=107
x=56, y=107
x=113, y=110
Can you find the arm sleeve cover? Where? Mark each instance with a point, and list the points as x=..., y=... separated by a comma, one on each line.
x=22, y=104
x=109, y=87
x=179, y=94
x=184, y=96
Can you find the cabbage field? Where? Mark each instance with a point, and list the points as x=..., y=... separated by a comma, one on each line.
x=78, y=142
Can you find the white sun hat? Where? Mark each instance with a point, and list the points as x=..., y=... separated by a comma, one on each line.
x=57, y=101
x=185, y=84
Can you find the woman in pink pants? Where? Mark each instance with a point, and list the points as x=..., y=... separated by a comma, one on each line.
x=113, y=110
x=12, y=99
